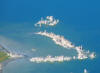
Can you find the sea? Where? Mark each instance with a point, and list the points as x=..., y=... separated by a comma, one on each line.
x=79, y=22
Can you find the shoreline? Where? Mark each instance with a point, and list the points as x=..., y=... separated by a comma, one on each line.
x=11, y=57
x=4, y=63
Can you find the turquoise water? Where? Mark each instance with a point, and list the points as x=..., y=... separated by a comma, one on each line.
x=20, y=38
x=79, y=23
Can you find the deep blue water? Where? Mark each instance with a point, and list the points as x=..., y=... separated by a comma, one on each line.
x=79, y=23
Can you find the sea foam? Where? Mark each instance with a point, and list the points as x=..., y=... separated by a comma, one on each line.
x=49, y=21
x=61, y=41
x=13, y=55
x=51, y=59
x=85, y=71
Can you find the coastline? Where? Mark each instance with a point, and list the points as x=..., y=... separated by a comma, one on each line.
x=11, y=57
x=4, y=63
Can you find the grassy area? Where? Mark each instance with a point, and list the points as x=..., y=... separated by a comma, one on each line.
x=3, y=56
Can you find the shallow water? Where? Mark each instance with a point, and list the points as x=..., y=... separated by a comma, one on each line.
x=23, y=42
x=79, y=23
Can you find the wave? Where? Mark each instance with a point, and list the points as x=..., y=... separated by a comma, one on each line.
x=49, y=21
x=61, y=41
x=85, y=71
x=13, y=55
x=51, y=59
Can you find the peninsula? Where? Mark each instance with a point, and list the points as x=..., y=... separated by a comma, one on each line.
x=5, y=55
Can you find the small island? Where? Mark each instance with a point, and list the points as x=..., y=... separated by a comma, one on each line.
x=6, y=56
x=3, y=56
